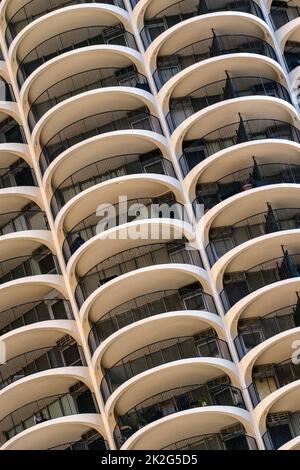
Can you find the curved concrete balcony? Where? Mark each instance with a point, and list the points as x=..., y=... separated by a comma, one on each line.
x=81, y=82
x=174, y=401
x=46, y=411
x=196, y=151
x=205, y=344
x=20, y=17
x=164, y=205
x=209, y=48
x=227, y=237
x=156, y=23
x=190, y=297
x=105, y=122
x=34, y=311
x=33, y=362
x=232, y=87
x=257, y=175
x=106, y=169
x=133, y=259
x=282, y=14
x=71, y=39
x=200, y=425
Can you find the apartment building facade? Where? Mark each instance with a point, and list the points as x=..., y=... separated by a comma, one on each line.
x=178, y=342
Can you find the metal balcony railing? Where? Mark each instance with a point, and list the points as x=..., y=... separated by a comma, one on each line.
x=28, y=265
x=35, y=9
x=107, y=169
x=215, y=441
x=70, y=40
x=239, y=284
x=34, y=312
x=146, y=306
x=168, y=66
x=258, y=329
x=39, y=411
x=222, y=90
x=133, y=210
x=236, y=133
x=257, y=175
x=184, y=10
x=270, y=221
x=161, y=352
x=94, y=125
x=82, y=82
x=178, y=399
x=132, y=259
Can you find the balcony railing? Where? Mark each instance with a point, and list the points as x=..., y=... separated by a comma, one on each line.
x=216, y=441
x=281, y=15
x=11, y=132
x=121, y=213
x=6, y=91
x=132, y=259
x=231, y=87
x=39, y=411
x=32, y=362
x=22, y=175
x=258, y=329
x=27, y=265
x=94, y=125
x=161, y=352
x=270, y=221
x=291, y=54
x=282, y=427
x=107, y=169
x=272, y=378
x=96, y=443
x=184, y=10
x=28, y=219
x=174, y=401
x=146, y=306
x=34, y=9
x=34, y=312
x=168, y=66
x=257, y=175
x=236, y=133
x=82, y=82
x=240, y=284
x=70, y=40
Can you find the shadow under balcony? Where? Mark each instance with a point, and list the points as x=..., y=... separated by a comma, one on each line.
x=259, y=174
x=190, y=297
x=91, y=440
x=292, y=54
x=186, y=9
x=168, y=66
x=17, y=174
x=74, y=402
x=224, y=239
x=70, y=40
x=132, y=259
x=82, y=82
x=217, y=392
x=34, y=312
x=238, y=285
x=94, y=125
x=222, y=90
x=205, y=344
x=196, y=151
x=107, y=169
x=35, y=9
